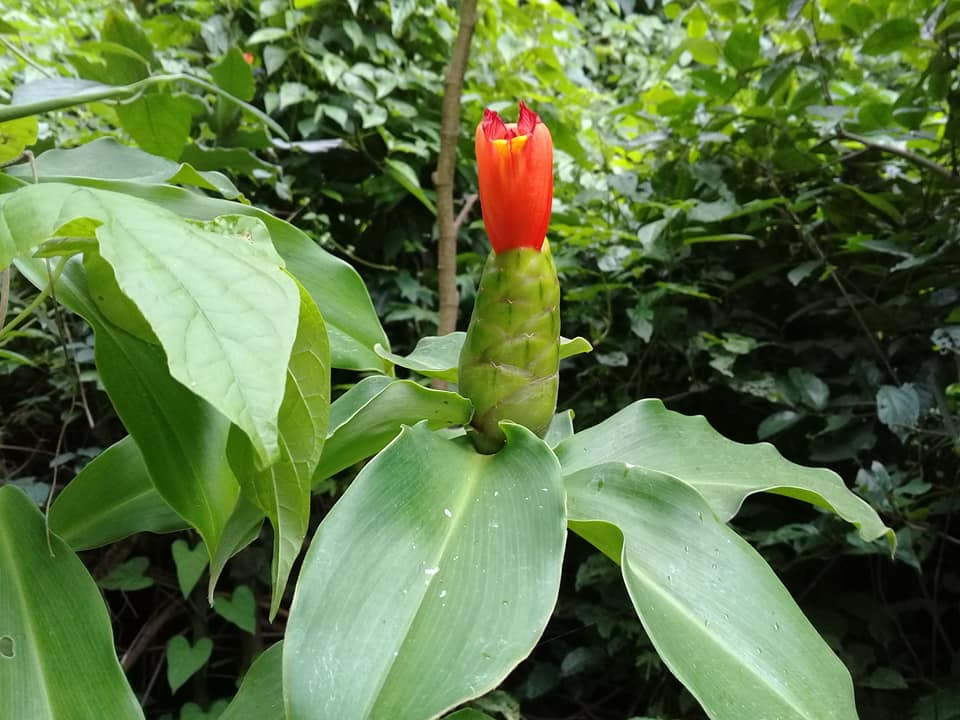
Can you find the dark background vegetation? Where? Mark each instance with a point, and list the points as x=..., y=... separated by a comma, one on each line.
x=756, y=219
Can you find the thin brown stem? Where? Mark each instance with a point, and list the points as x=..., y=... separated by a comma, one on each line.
x=446, y=170
x=918, y=160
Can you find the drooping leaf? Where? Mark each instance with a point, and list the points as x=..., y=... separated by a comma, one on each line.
x=52, y=623
x=724, y=472
x=242, y=528
x=348, y=312
x=182, y=439
x=111, y=498
x=230, y=345
x=368, y=416
x=282, y=490
x=431, y=578
x=716, y=613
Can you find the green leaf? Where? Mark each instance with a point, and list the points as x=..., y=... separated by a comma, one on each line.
x=119, y=29
x=184, y=659
x=436, y=563
x=777, y=423
x=715, y=611
x=16, y=136
x=266, y=35
x=105, y=158
x=893, y=35
x=52, y=623
x=240, y=609
x=159, y=122
x=190, y=564
x=182, y=438
x=468, y=714
x=242, y=528
x=439, y=356
x=368, y=416
x=261, y=692
x=561, y=427
x=742, y=47
x=724, y=472
x=111, y=498
x=898, y=407
x=407, y=179
x=234, y=75
x=348, y=312
x=231, y=346
x=282, y=490
x=128, y=576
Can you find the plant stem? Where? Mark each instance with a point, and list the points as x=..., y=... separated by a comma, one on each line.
x=123, y=92
x=37, y=301
x=446, y=169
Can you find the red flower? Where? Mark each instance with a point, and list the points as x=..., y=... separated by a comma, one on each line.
x=515, y=167
x=248, y=58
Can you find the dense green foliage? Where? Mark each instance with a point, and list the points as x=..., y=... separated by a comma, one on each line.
x=755, y=219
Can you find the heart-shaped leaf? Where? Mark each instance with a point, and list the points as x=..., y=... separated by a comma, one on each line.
x=128, y=576
x=184, y=659
x=190, y=564
x=240, y=609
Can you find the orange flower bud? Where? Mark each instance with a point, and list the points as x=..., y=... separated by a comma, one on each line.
x=515, y=167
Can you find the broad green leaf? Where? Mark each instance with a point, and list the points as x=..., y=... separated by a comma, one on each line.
x=282, y=490
x=439, y=356
x=107, y=159
x=15, y=136
x=184, y=659
x=261, y=693
x=714, y=610
x=181, y=438
x=431, y=578
x=57, y=658
x=214, y=293
x=724, y=472
x=348, y=312
x=158, y=121
x=893, y=35
x=368, y=416
x=109, y=499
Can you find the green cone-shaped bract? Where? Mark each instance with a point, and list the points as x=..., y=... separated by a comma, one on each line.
x=509, y=361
